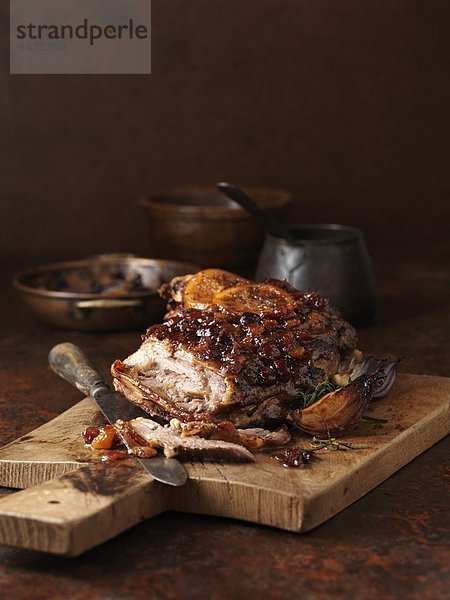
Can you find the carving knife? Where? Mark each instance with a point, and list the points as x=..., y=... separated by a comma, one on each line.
x=70, y=363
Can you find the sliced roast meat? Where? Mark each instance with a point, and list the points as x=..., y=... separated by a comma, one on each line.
x=253, y=439
x=223, y=430
x=143, y=436
x=256, y=438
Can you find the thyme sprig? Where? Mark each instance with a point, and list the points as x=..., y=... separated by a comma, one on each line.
x=332, y=444
x=310, y=396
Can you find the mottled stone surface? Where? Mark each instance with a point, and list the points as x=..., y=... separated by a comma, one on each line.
x=392, y=543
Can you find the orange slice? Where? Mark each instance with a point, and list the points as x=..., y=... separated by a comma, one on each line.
x=254, y=298
x=204, y=285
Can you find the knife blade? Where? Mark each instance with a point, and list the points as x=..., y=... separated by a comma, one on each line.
x=70, y=363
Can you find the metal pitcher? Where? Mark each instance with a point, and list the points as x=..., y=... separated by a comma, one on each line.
x=330, y=259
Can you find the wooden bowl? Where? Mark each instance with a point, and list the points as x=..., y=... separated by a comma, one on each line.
x=200, y=224
x=99, y=294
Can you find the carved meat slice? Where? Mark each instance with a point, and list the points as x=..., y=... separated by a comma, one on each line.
x=256, y=438
x=143, y=436
x=253, y=439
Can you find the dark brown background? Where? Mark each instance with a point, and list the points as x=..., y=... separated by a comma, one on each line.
x=344, y=102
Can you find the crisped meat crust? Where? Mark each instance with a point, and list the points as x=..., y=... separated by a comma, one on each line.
x=246, y=367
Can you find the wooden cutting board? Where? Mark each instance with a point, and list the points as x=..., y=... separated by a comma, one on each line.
x=74, y=501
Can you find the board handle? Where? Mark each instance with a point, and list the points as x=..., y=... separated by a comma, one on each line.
x=70, y=363
x=81, y=509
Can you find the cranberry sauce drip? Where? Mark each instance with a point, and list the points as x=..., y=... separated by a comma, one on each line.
x=294, y=457
x=263, y=349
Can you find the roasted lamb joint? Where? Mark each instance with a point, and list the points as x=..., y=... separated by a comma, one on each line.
x=243, y=356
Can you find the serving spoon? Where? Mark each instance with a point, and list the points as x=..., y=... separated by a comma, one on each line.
x=271, y=224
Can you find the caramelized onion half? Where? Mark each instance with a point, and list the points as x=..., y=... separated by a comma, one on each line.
x=342, y=409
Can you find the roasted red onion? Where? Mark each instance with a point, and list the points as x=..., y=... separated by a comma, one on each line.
x=342, y=409
x=371, y=365
x=390, y=371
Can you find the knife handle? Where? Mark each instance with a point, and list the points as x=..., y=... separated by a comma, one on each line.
x=70, y=363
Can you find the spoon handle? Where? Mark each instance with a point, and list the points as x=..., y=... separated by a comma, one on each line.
x=237, y=194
